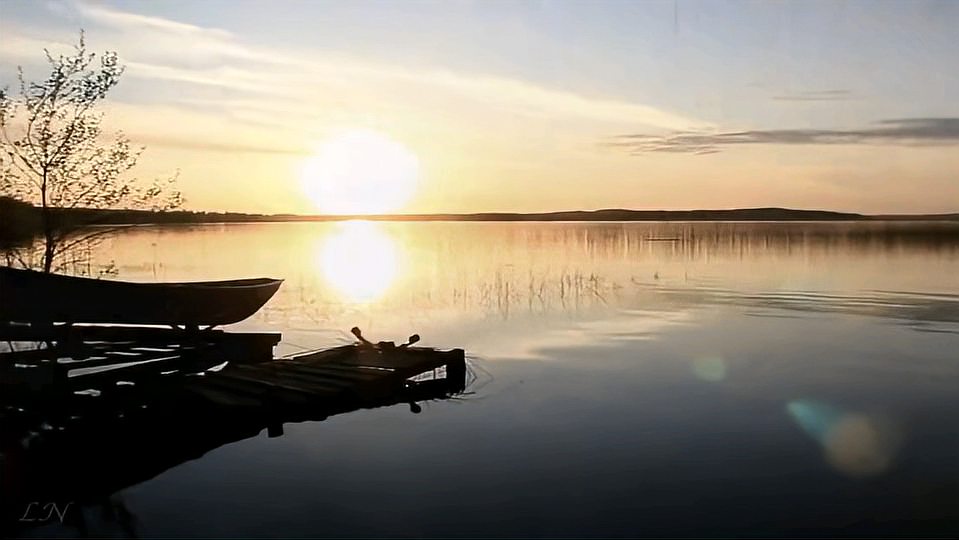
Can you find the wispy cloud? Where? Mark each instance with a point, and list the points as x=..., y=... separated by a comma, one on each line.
x=125, y=19
x=159, y=49
x=816, y=95
x=903, y=131
x=148, y=30
x=174, y=142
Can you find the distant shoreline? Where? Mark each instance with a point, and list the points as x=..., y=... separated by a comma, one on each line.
x=18, y=219
x=744, y=214
x=20, y=222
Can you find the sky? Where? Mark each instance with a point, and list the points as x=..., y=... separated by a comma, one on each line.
x=532, y=106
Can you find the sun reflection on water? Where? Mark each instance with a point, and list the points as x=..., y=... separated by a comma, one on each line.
x=360, y=261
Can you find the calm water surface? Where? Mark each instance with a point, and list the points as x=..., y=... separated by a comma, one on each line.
x=628, y=379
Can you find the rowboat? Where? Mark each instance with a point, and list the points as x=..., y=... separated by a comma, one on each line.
x=35, y=297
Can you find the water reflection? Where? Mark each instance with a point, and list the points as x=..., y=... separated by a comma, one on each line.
x=65, y=453
x=772, y=372
x=479, y=281
x=359, y=260
x=936, y=313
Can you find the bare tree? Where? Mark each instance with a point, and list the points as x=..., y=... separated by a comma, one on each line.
x=56, y=156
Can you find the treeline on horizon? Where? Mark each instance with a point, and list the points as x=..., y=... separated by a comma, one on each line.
x=19, y=220
x=20, y=223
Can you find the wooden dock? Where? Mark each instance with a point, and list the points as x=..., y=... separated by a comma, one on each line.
x=348, y=374
x=70, y=365
x=96, y=409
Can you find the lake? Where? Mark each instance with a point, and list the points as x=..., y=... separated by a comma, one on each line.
x=627, y=379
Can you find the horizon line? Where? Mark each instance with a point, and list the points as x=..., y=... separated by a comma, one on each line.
x=838, y=213
x=558, y=215
x=555, y=212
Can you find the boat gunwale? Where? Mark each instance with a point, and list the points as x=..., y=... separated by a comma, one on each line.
x=222, y=284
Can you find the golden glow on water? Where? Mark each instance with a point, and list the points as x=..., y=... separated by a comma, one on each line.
x=360, y=172
x=359, y=260
x=827, y=350
x=525, y=279
x=506, y=270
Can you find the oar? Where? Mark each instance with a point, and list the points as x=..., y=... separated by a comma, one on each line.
x=359, y=335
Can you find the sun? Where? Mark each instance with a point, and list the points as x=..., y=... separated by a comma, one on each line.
x=360, y=171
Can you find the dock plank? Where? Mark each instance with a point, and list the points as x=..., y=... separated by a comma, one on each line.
x=310, y=376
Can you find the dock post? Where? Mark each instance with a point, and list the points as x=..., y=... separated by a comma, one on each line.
x=456, y=371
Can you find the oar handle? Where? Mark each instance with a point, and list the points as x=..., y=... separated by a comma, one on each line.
x=359, y=335
x=413, y=339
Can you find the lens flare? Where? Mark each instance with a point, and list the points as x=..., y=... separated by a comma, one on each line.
x=710, y=368
x=855, y=444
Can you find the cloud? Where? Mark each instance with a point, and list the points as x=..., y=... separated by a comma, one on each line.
x=160, y=49
x=816, y=95
x=21, y=48
x=125, y=19
x=223, y=77
x=219, y=147
x=903, y=132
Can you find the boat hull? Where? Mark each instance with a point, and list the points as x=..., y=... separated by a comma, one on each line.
x=35, y=297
